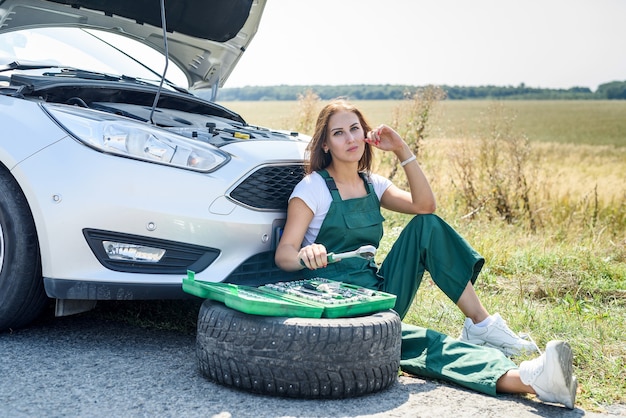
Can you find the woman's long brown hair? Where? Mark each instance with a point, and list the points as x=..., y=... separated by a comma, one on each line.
x=318, y=159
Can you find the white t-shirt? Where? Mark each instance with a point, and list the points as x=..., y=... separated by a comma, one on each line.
x=314, y=192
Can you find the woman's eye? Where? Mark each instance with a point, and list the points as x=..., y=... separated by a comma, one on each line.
x=337, y=133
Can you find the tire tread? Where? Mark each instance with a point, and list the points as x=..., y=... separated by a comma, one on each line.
x=22, y=294
x=298, y=357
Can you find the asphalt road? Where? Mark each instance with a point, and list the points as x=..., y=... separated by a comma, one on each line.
x=86, y=366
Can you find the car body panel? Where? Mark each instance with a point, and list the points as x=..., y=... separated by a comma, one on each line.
x=16, y=117
x=122, y=202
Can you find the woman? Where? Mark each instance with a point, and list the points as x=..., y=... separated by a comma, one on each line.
x=336, y=208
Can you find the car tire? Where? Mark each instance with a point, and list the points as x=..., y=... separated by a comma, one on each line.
x=22, y=295
x=298, y=357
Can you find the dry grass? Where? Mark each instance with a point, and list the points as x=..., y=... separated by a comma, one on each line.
x=566, y=276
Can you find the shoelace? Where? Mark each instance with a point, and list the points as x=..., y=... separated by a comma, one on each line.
x=508, y=330
x=527, y=337
x=504, y=327
x=524, y=336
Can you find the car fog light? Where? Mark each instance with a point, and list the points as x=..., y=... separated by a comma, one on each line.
x=132, y=252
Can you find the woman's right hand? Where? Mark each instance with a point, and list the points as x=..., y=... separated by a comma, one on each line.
x=313, y=256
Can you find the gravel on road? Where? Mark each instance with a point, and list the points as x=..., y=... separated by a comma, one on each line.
x=83, y=366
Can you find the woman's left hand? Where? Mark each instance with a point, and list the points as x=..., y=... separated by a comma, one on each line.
x=385, y=138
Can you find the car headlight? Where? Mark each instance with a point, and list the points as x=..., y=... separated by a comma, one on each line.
x=125, y=137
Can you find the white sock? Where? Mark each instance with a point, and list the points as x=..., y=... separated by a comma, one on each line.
x=485, y=322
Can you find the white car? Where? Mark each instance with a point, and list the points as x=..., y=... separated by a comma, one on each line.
x=114, y=180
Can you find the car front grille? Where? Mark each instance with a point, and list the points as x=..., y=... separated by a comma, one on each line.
x=269, y=187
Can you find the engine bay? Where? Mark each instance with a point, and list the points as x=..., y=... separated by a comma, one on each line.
x=176, y=111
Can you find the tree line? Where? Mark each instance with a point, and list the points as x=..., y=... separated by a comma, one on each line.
x=615, y=90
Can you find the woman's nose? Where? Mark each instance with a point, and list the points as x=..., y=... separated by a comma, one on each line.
x=351, y=137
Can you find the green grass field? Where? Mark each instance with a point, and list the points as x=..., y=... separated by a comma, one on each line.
x=572, y=122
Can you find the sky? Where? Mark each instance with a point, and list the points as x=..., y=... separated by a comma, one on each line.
x=541, y=43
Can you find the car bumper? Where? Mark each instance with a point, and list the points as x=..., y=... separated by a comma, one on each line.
x=86, y=190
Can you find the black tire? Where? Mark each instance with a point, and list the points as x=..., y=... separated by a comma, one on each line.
x=298, y=357
x=22, y=295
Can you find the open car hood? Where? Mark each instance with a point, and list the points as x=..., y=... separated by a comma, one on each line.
x=206, y=38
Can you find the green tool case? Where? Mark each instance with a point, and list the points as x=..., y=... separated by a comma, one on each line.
x=312, y=298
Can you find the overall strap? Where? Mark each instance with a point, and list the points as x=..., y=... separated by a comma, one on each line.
x=332, y=186
x=368, y=184
x=330, y=183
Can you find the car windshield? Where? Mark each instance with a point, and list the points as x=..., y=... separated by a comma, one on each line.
x=87, y=49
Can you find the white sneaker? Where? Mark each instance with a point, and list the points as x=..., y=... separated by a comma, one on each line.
x=550, y=375
x=497, y=335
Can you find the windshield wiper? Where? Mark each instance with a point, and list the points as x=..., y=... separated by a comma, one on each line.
x=89, y=75
x=16, y=65
x=94, y=75
x=65, y=71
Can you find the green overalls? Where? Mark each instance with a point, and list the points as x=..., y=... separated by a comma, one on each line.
x=426, y=243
